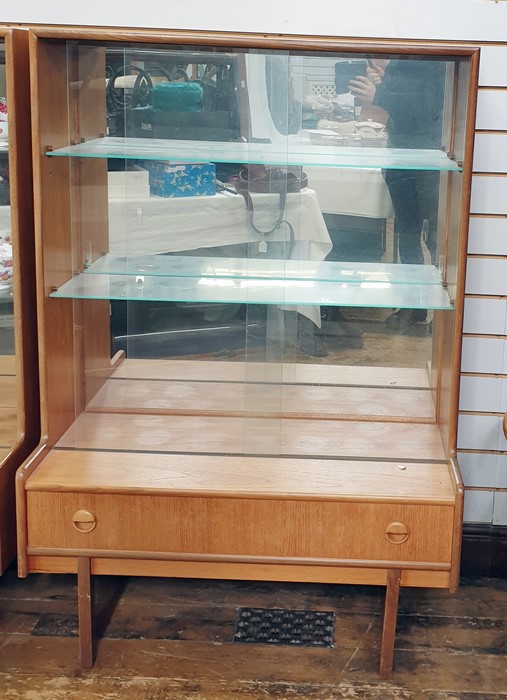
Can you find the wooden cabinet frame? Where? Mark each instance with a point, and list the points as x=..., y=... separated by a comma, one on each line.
x=218, y=522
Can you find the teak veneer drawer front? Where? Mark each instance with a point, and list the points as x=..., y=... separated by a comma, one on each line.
x=240, y=526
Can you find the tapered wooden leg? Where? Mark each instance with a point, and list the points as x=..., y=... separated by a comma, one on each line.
x=389, y=623
x=84, y=605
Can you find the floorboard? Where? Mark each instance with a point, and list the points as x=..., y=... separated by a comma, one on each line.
x=172, y=638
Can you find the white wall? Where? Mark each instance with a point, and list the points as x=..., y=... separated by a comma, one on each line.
x=482, y=446
x=475, y=20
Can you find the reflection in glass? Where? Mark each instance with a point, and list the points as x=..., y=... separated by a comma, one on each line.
x=324, y=238
x=7, y=367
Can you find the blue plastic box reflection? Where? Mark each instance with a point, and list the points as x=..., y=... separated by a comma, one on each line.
x=181, y=179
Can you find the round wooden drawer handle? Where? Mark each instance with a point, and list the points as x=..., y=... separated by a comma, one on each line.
x=84, y=521
x=397, y=532
x=505, y=425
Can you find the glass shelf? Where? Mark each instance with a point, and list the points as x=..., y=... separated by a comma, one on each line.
x=248, y=290
x=264, y=269
x=290, y=153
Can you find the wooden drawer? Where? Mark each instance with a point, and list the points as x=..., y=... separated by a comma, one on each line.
x=259, y=527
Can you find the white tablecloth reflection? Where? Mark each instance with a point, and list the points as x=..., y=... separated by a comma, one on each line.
x=156, y=225
x=166, y=225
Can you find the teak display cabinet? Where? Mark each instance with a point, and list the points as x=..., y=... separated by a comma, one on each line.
x=261, y=461
x=19, y=403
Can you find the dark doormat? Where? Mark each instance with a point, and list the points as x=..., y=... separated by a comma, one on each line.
x=310, y=628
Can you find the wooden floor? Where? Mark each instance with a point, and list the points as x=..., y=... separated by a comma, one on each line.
x=167, y=639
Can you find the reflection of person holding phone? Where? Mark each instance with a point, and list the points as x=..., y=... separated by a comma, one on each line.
x=412, y=93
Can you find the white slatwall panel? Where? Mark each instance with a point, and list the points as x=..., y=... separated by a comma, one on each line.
x=492, y=110
x=493, y=62
x=490, y=153
x=500, y=508
x=485, y=316
x=486, y=276
x=489, y=195
x=479, y=470
x=483, y=394
x=479, y=432
x=487, y=236
x=501, y=471
x=479, y=506
x=483, y=355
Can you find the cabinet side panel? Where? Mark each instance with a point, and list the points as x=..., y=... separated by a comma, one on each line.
x=21, y=198
x=52, y=224
x=63, y=323
x=89, y=200
x=25, y=402
x=459, y=189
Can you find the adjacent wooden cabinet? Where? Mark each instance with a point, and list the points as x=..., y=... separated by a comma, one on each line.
x=232, y=384
x=19, y=397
